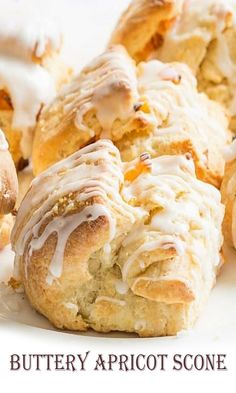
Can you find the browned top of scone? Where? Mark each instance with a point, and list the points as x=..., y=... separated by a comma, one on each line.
x=142, y=26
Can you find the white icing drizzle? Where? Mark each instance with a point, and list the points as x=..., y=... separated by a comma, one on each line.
x=170, y=74
x=188, y=218
x=72, y=306
x=3, y=142
x=121, y=287
x=229, y=152
x=180, y=104
x=28, y=84
x=64, y=227
x=95, y=170
x=165, y=96
x=164, y=243
x=183, y=213
x=108, y=86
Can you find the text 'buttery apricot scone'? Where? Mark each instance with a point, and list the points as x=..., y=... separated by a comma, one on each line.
x=153, y=107
x=200, y=33
x=109, y=245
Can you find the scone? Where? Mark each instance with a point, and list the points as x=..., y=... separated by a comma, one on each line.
x=228, y=191
x=108, y=245
x=31, y=72
x=8, y=191
x=200, y=33
x=153, y=107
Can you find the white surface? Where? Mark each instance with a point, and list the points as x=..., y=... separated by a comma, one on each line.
x=87, y=24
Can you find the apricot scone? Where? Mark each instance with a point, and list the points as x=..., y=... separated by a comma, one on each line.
x=116, y=246
x=31, y=72
x=8, y=191
x=200, y=33
x=153, y=107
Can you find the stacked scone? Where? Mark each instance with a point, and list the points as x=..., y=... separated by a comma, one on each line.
x=122, y=227
x=199, y=33
x=31, y=73
x=153, y=107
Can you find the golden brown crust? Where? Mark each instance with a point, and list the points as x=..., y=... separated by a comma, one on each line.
x=8, y=183
x=157, y=319
x=13, y=136
x=142, y=25
x=228, y=198
x=177, y=145
x=61, y=74
x=31, y=72
x=173, y=292
x=50, y=300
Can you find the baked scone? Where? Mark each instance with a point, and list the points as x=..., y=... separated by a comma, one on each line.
x=200, y=33
x=108, y=245
x=8, y=191
x=31, y=72
x=228, y=191
x=153, y=107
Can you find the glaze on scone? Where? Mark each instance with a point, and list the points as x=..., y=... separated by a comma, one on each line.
x=30, y=74
x=8, y=191
x=131, y=246
x=201, y=34
x=153, y=107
